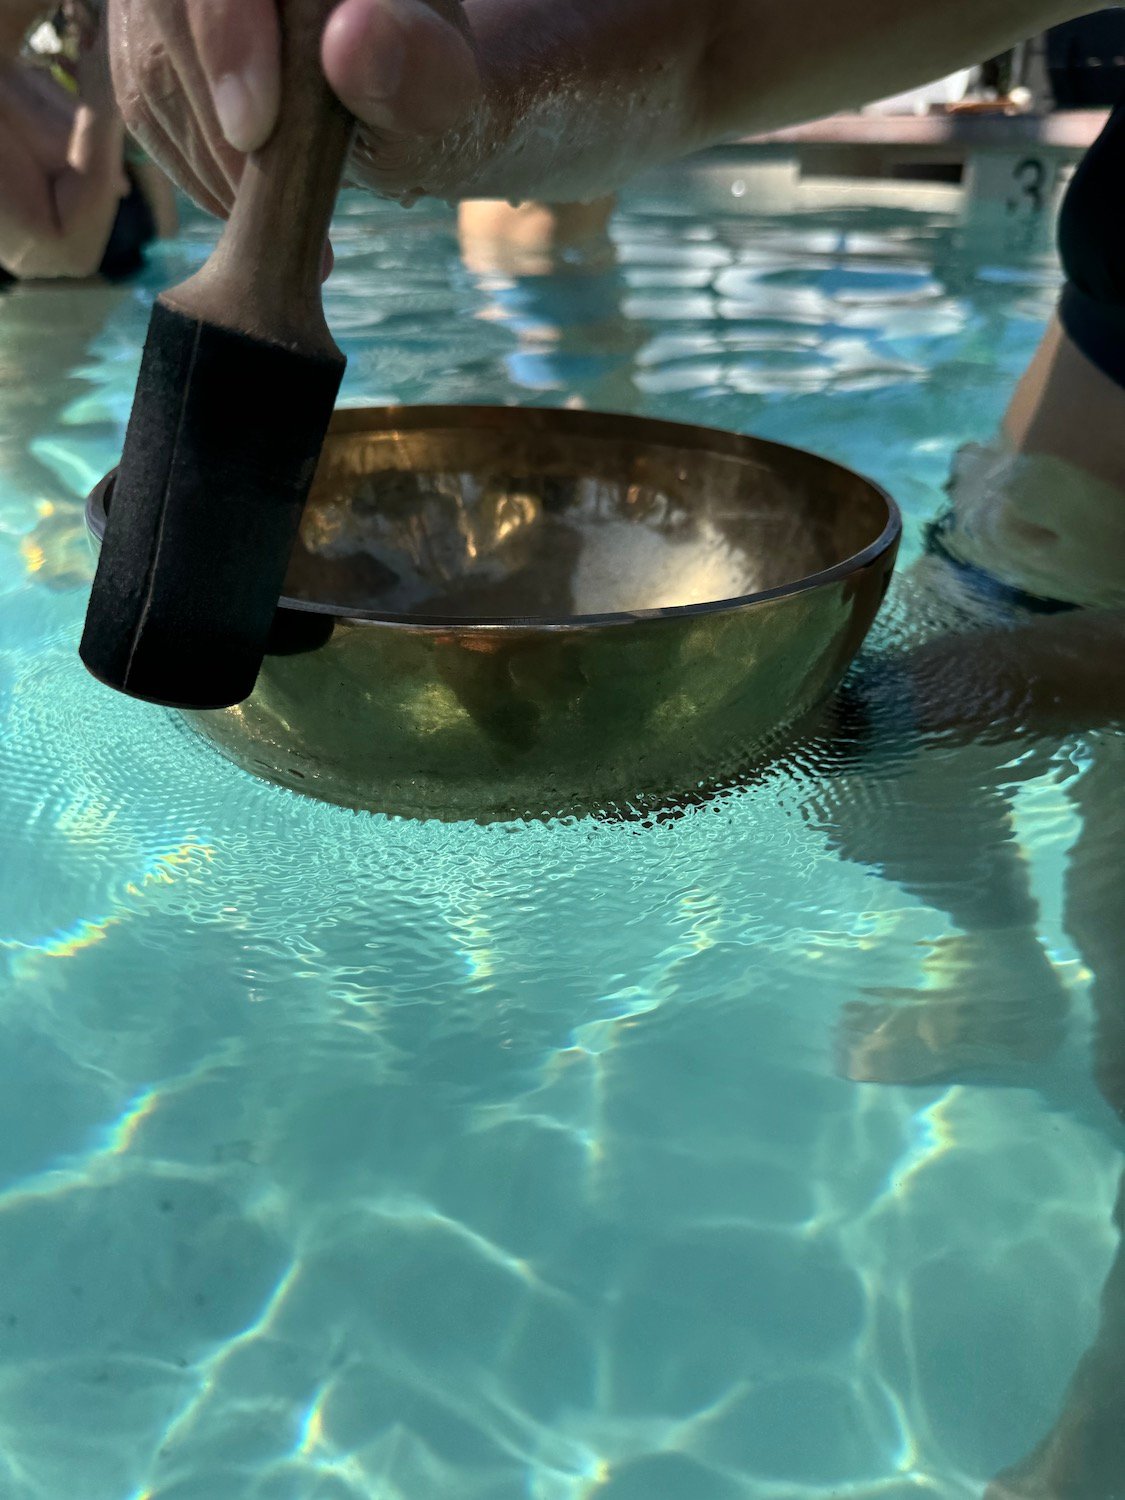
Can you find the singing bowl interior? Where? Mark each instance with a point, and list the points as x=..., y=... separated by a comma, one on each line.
x=498, y=612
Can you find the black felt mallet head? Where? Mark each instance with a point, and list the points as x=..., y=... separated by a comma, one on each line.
x=237, y=387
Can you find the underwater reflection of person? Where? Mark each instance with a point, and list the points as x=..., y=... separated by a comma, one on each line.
x=1012, y=641
x=552, y=276
x=1013, y=628
x=1012, y=634
x=72, y=204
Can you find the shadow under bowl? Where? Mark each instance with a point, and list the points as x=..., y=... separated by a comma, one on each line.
x=497, y=613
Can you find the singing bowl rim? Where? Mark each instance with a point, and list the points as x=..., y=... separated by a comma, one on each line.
x=654, y=431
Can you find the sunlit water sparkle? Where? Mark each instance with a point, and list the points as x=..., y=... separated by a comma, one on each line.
x=346, y=1159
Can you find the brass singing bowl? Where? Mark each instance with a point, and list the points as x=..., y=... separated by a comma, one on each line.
x=497, y=613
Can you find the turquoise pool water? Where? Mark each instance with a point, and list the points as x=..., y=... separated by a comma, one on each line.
x=343, y=1159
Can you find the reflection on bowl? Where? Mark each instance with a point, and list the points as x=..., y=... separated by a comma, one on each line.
x=498, y=613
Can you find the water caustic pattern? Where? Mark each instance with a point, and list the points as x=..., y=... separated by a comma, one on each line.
x=348, y=1159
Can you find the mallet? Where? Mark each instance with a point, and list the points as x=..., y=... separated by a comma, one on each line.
x=238, y=383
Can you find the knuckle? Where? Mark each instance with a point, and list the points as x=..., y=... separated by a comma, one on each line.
x=157, y=78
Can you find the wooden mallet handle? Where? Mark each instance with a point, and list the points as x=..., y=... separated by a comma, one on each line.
x=264, y=277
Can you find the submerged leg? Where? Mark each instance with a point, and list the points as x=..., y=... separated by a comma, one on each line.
x=989, y=996
x=1096, y=912
x=929, y=808
x=1084, y=1457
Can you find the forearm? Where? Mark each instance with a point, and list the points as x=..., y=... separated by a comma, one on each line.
x=579, y=97
x=780, y=62
x=65, y=226
x=549, y=100
x=73, y=212
x=89, y=193
x=93, y=185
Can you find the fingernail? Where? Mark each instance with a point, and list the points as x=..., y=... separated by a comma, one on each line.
x=246, y=104
x=237, y=111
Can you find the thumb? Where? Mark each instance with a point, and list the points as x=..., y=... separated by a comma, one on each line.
x=402, y=66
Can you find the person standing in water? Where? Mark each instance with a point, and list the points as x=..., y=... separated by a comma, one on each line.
x=1012, y=642
x=72, y=205
x=552, y=277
